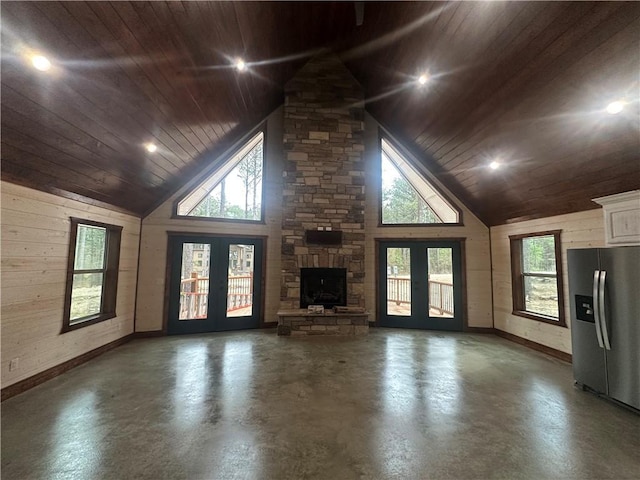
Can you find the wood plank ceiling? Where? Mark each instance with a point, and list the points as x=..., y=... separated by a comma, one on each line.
x=525, y=82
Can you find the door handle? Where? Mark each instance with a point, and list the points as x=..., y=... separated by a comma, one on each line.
x=596, y=305
x=603, y=314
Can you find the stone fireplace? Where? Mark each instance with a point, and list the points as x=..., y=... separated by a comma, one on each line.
x=323, y=180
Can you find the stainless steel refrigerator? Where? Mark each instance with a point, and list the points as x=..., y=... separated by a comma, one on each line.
x=604, y=294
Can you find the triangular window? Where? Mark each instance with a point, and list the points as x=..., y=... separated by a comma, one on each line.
x=234, y=190
x=407, y=196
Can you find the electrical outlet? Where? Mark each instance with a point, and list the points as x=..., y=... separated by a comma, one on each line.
x=13, y=364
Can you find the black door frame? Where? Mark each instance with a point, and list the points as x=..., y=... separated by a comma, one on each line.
x=460, y=290
x=177, y=238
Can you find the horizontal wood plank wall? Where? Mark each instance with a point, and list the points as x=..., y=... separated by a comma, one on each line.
x=579, y=230
x=35, y=247
x=50, y=373
x=153, y=250
x=476, y=235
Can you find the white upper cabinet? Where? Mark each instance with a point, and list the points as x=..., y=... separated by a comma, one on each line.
x=621, y=218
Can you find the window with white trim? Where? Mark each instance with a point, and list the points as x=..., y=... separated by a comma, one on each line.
x=234, y=190
x=407, y=196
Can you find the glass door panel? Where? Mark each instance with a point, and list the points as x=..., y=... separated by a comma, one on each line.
x=215, y=283
x=194, y=281
x=440, y=281
x=240, y=280
x=419, y=284
x=398, y=281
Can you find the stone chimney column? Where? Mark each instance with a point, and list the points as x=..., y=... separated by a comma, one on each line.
x=323, y=175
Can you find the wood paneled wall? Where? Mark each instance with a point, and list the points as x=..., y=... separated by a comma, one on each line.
x=35, y=248
x=473, y=231
x=153, y=248
x=579, y=230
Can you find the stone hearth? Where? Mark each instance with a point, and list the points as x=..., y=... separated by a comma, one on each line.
x=302, y=322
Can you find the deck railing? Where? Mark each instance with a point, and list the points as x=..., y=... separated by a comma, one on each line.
x=194, y=295
x=440, y=294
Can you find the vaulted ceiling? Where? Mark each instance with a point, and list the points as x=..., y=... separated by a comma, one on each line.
x=523, y=83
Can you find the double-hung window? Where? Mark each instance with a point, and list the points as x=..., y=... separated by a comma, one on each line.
x=536, y=270
x=92, y=274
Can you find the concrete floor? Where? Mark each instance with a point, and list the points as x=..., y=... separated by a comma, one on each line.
x=397, y=404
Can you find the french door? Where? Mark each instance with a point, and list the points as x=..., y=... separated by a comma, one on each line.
x=420, y=285
x=215, y=283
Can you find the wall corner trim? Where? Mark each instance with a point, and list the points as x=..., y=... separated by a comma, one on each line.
x=468, y=329
x=149, y=334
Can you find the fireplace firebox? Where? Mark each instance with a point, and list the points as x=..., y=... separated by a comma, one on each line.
x=323, y=286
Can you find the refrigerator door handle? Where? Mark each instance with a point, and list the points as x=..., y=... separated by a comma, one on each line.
x=601, y=306
x=596, y=306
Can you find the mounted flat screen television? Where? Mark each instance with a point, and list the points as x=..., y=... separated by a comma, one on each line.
x=323, y=237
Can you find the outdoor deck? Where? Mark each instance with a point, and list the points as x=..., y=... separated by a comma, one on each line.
x=399, y=297
x=194, y=297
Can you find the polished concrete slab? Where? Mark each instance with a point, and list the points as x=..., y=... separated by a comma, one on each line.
x=396, y=404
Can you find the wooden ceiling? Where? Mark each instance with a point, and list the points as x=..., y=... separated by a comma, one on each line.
x=525, y=82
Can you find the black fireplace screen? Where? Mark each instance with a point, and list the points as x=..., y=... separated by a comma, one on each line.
x=323, y=286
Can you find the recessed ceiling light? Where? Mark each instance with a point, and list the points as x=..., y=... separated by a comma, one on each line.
x=615, y=107
x=423, y=79
x=40, y=63
x=151, y=147
x=240, y=65
x=494, y=165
